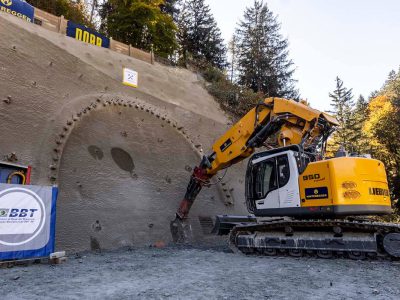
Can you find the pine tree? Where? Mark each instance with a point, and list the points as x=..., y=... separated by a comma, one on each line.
x=170, y=7
x=264, y=64
x=391, y=78
x=360, y=115
x=199, y=35
x=233, y=53
x=342, y=104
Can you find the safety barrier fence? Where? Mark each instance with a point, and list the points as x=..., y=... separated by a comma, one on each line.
x=61, y=25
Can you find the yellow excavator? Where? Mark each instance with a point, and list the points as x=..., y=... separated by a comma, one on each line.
x=301, y=203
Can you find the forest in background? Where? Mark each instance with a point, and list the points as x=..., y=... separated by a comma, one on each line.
x=370, y=126
x=253, y=65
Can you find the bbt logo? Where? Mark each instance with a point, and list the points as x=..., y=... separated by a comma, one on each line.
x=6, y=2
x=22, y=213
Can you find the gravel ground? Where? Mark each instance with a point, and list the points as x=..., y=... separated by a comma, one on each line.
x=172, y=273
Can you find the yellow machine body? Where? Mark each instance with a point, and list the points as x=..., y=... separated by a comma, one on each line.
x=340, y=186
x=345, y=186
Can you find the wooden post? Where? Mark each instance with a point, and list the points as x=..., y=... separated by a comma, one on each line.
x=60, y=22
x=129, y=53
x=111, y=43
x=152, y=55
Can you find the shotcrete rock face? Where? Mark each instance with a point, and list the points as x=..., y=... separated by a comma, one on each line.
x=121, y=157
x=121, y=178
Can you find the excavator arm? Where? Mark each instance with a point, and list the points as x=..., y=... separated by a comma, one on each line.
x=276, y=122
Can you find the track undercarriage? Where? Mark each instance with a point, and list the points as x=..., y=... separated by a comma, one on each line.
x=355, y=239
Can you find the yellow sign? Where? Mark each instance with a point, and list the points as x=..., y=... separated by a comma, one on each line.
x=130, y=77
x=6, y=2
x=88, y=37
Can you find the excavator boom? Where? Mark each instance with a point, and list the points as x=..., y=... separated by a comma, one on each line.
x=287, y=122
x=273, y=123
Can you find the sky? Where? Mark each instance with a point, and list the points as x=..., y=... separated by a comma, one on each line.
x=357, y=40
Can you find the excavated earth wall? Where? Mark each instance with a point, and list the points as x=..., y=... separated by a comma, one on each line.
x=121, y=157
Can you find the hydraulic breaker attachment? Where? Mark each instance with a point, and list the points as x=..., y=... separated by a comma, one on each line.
x=199, y=178
x=180, y=227
x=181, y=231
x=225, y=223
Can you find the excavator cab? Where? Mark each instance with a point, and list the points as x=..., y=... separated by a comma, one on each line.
x=272, y=182
x=290, y=182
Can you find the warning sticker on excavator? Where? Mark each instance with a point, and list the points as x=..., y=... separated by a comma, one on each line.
x=317, y=193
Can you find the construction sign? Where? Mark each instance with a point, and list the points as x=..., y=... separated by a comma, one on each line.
x=18, y=8
x=130, y=77
x=87, y=35
x=27, y=221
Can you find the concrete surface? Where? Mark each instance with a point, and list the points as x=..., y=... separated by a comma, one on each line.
x=200, y=274
x=63, y=110
x=122, y=175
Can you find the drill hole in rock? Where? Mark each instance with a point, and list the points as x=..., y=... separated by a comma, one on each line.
x=95, y=152
x=123, y=160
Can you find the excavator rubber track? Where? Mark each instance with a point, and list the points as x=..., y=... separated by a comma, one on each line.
x=354, y=239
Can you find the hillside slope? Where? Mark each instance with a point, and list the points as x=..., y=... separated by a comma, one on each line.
x=120, y=156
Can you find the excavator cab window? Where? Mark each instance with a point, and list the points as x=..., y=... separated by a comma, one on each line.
x=283, y=170
x=266, y=176
x=263, y=179
x=269, y=177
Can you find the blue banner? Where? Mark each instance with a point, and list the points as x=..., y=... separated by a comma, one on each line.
x=27, y=221
x=87, y=35
x=18, y=8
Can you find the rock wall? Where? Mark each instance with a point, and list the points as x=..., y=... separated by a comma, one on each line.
x=121, y=157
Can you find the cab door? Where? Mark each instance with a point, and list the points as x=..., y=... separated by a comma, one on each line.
x=288, y=183
x=266, y=184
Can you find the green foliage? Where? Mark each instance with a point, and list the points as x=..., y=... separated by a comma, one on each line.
x=212, y=74
x=140, y=23
x=72, y=11
x=233, y=50
x=199, y=36
x=360, y=140
x=342, y=104
x=383, y=129
x=170, y=7
x=371, y=127
x=235, y=100
x=263, y=57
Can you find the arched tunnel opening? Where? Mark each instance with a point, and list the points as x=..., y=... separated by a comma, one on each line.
x=122, y=175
